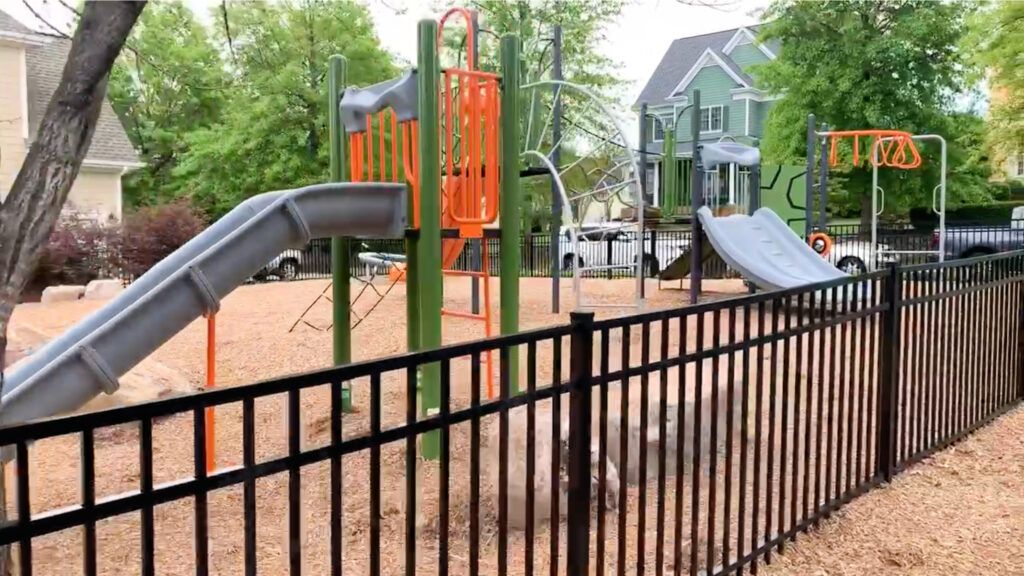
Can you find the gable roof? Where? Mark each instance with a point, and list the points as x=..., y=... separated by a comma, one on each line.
x=44, y=64
x=681, y=57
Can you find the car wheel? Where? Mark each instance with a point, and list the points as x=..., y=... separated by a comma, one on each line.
x=289, y=270
x=852, y=265
x=569, y=262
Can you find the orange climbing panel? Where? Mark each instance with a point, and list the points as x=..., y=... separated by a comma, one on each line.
x=892, y=148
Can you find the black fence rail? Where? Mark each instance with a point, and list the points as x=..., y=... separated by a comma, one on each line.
x=697, y=440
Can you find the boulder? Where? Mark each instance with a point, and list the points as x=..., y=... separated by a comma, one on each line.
x=61, y=294
x=543, y=477
x=103, y=289
x=630, y=470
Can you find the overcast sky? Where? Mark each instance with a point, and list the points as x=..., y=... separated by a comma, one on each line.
x=636, y=40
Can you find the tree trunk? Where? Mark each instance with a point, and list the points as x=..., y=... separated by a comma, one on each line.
x=31, y=209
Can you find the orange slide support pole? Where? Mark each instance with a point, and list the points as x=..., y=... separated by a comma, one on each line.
x=211, y=378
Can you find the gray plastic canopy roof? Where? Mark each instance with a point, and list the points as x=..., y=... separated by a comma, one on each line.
x=399, y=94
x=90, y=357
x=714, y=154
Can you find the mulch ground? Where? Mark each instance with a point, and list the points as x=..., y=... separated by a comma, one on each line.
x=970, y=499
x=959, y=512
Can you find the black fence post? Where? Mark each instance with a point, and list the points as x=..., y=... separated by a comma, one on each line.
x=611, y=255
x=888, y=413
x=1020, y=333
x=581, y=362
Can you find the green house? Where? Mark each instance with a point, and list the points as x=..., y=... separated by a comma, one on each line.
x=719, y=64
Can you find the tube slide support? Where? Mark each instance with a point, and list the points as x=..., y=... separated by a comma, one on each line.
x=340, y=247
x=509, y=201
x=430, y=281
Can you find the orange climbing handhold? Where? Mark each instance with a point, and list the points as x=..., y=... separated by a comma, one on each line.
x=892, y=148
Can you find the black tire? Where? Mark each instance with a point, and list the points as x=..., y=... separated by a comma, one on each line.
x=288, y=270
x=568, y=262
x=977, y=251
x=852, y=265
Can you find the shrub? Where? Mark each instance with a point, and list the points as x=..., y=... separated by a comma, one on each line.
x=80, y=249
x=151, y=233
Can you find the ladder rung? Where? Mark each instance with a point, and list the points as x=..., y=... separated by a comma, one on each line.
x=464, y=273
x=457, y=314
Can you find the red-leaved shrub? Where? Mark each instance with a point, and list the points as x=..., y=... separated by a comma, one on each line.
x=79, y=250
x=151, y=233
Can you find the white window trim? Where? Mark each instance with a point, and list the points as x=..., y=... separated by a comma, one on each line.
x=23, y=92
x=746, y=36
x=708, y=54
x=722, y=116
x=657, y=119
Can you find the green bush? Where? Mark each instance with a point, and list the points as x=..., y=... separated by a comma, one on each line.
x=990, y=214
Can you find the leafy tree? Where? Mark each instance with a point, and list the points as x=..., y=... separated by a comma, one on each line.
x=885, y=64
x=168, y=83
x=273, y=134
x=998, y=35
x=33, y=204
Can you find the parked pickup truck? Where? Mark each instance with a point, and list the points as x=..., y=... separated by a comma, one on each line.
x=968, y=241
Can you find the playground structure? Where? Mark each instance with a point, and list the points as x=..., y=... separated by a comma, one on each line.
x=753, y=240
x=451, y=138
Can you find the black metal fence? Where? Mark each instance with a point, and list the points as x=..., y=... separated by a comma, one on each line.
x=693, y=440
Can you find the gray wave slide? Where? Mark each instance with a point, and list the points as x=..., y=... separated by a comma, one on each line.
x=91, y=356
x=765, y=250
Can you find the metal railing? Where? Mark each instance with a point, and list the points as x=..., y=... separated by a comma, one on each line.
x=710, y=435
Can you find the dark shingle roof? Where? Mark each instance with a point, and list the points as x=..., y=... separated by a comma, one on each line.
x=45, y=64
x=9, y=24
x=682, y=54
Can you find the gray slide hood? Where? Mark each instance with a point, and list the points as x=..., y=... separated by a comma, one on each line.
x=92, y=363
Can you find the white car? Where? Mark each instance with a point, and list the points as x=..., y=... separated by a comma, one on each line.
x=854, y=256
x=610, y=245
x=285, y=266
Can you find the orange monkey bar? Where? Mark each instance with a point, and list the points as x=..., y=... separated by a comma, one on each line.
x=892, y=148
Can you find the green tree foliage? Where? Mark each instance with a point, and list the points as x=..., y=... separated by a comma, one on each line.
x=273, y=134
x=857, y=65
x=166, y=84
x=998, y=35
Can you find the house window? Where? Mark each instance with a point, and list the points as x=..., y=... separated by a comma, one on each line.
x=657, y=129
x=711, y=119
x=1020, y=164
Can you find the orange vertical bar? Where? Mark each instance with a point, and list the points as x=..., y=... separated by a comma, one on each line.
x=856, y=150
x=464, y=191
x=211, y=377
x=394, y=147
x=369, y=148
x=380, y=145
x=449, y=129
x=353, y=165
x=475, y=135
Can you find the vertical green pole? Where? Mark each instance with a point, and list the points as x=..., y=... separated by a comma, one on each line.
x=339, y=246
x=671, y=200
x=430, y=279
x=510, y=201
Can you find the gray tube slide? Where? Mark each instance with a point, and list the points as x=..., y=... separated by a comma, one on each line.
x=93, y=364
x=140, y=287
x=765, y=251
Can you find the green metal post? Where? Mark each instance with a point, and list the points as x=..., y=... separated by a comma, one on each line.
x=430, y=280
x=510, y=201
x=340, y=278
